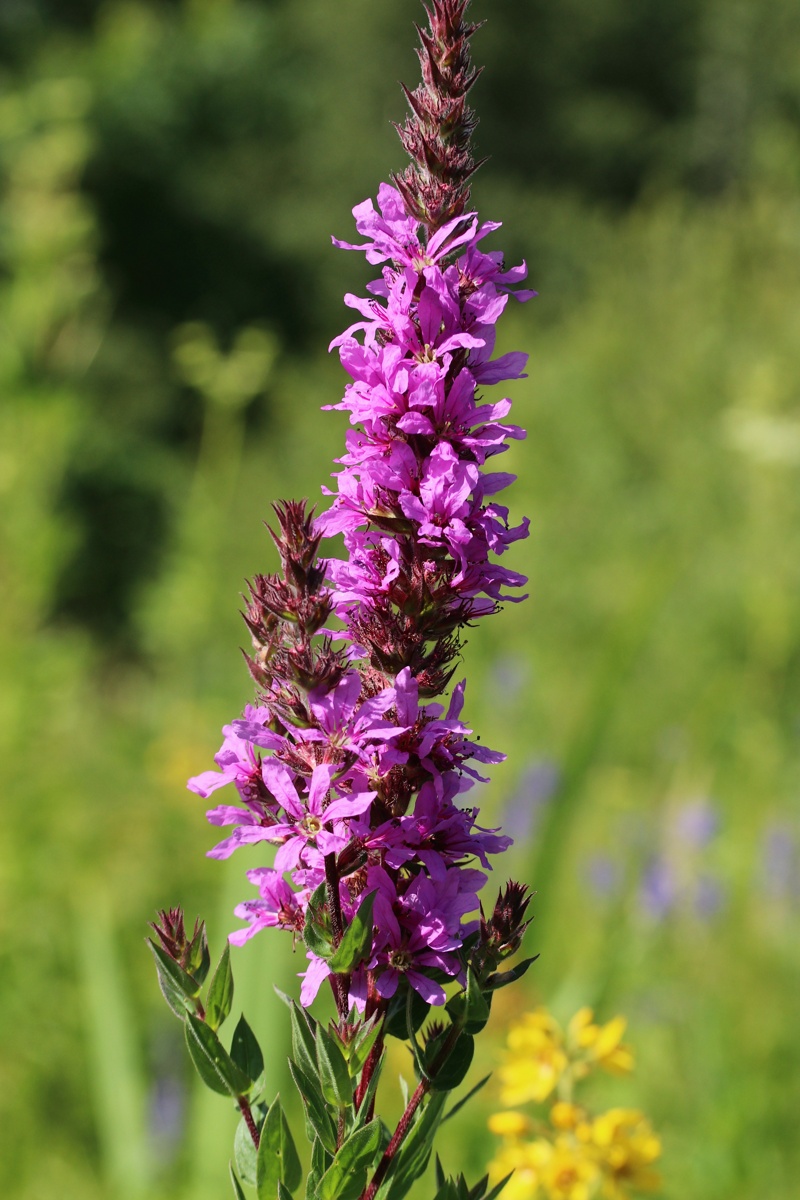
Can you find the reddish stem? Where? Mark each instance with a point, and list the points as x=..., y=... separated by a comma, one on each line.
x=400, y=1132
x=247, y=1113
x=339, y=983
x=397, y=1138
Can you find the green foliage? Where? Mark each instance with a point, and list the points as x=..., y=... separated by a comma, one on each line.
x=276, y=1162
x=165, y=167
x=214, y=1065
x=356, y=941
x=220, y=992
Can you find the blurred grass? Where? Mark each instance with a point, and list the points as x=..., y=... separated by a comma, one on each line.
x=655, y=667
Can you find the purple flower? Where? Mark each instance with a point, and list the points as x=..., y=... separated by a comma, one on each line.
x=349, y=766
x=697, y=822
x=659, y=889
x=277, y=907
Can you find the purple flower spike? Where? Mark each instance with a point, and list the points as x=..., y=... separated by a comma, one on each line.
x=349, y=765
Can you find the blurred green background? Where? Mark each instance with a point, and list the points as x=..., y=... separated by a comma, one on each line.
x=171, y=175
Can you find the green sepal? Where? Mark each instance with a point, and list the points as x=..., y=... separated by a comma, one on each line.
x=356, y=943
x=214, y=1065
x=397, y=1015
x=337, y=1087
x=316, y=1112
x=237, y=1187
x=277, y=1160
x=360, y=1047
x=304, y=1036
x=346, y=1177
x=472, y=1091
x=220, y=992
x=471, y=1007
x=198, y=957
x=246, y=1052
x=504, y=978
x=244, y=1152
x=455, y=1066
x=317, y=933
x=178, y=988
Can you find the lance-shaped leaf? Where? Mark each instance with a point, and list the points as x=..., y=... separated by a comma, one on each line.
x=454, y=1068
x=361, y=1046
x=214, y=1065
x=244, y=1152
x=464, y=1099
x=320, y=1161
x=470, y=1008
x=304, y=1035
x=415, y=1151
x=178, y=988
x=503, y=978
x=237, y=1187
x=397, y=1015
x=498, y=1187
x=356, y=942
x=337, y=1087
x=276, y=1161
x=317, y=933
x=316, y=1112
x=369, y=1094
x=220, y=993
x=346, y=1177
x=246, y=1052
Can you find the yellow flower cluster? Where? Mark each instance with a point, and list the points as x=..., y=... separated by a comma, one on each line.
x=572, y=1155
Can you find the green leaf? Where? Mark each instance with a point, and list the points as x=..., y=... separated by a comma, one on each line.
x=396, y=1016
x=304, y=1033
x=361, y=1045
x=498, y=1187
x=457, y=1107
x=456, y=1065
x=470, y=1008
x=198, y=959
x=317, y=929
x=320, y=1161
x=178, y=989
x=244, y=1153
x=356, y=943
x=372, y=1087
x=214, y=1065
x=277, y=1160
x=220, y=993
x=346, y=1177
x=413, y=1156
x=477, y=1007
x=246, y=1052
x=237, y=1187
x=314, y=1105
x=337, y=1087
x=504, y=978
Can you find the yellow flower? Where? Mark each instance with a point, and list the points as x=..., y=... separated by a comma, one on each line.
x=526, y=1160
x=535, y=1060
x=570, y=1173
x=509, y=1124
x=626, y=1148
x=601, y=1045
x=568, y=1116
